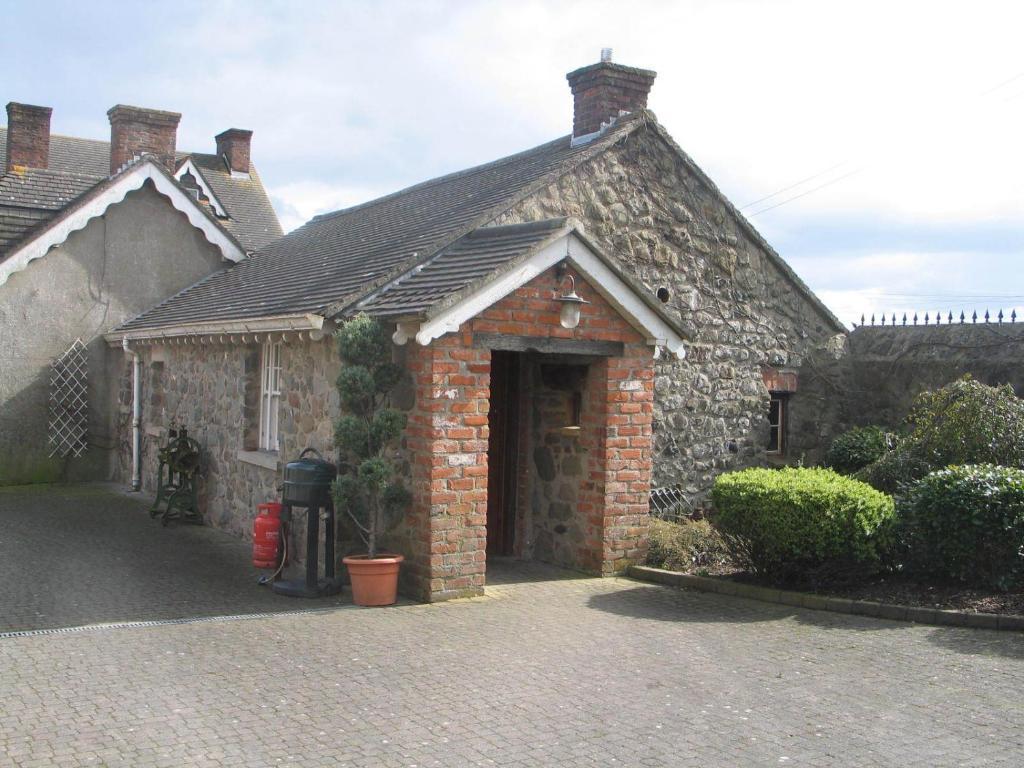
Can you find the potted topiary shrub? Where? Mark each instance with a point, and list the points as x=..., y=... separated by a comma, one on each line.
x=369, y=486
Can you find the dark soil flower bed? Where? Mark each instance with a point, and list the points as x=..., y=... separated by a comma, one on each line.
x=694, y=549
x=905, y=591
x=896, y=589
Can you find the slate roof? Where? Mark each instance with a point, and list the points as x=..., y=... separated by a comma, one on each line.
x=331, y=261
x=76, y=166
x=251, y=218
x=461, y=264
x=337, y=259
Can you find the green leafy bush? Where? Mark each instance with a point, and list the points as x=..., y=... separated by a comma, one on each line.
x=968, y=422
x=369, y=485
x=967, y=523
x=690, y=545
x=858, y=447
x=965, y=422
x=801, y=523
x=895, y=472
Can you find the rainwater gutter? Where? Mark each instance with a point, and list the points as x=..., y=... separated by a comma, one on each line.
x=136, y=414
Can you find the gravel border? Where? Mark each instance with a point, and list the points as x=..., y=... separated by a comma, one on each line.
x=933, y=616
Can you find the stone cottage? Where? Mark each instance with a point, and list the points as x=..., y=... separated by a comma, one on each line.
x=532, y=432
x=91, y=234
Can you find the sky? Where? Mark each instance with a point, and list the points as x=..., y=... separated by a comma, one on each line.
x=876, y=145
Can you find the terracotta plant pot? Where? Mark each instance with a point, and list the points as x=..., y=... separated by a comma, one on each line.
x=374, y=582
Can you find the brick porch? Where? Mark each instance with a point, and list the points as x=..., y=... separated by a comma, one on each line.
x=447, y=437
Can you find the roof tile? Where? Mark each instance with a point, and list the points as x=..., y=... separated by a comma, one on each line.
x=339, y=257
x=33, y=196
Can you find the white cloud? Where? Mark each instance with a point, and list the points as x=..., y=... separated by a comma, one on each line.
x=925, y=100
x=300, y=201
x=761, y=94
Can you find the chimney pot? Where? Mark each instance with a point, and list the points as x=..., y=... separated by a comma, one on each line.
x=234, y=146
x=602, y=91
x=28, y=136
x=135, y=131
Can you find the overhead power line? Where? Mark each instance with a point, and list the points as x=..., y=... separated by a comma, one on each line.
x=794, y=185
x=804, y=194
x=991, y=90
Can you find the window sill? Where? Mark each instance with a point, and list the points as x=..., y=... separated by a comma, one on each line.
x=265, y=459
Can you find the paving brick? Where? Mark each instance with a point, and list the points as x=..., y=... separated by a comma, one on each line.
x=74, y=555
x=547, y=668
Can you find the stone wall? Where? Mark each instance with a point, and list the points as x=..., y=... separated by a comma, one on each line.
x=211, y=389
x=133, y=257
x=875, y=376
x=650, y=210
x=557, y=530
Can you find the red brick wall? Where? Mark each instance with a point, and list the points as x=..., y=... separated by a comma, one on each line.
x=601, y=91
x=135, y=131
x=234, y=144
x=628, y=458
x=447, y=439
x=28, y=136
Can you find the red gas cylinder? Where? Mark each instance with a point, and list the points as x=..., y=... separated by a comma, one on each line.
x=266, y=535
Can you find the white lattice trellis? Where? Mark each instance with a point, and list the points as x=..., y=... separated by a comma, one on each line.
x=69, y=414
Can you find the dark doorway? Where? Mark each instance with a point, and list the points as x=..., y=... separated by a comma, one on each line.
x=502, y=453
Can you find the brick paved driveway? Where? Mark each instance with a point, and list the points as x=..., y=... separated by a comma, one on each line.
x=85, y=554
x=559, y=672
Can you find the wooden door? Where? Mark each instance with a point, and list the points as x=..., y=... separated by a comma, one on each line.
x=502, y=453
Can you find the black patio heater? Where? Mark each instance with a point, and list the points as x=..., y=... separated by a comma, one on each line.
x=307, y=483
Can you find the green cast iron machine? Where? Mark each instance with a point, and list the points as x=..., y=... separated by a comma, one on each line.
x=177, y=487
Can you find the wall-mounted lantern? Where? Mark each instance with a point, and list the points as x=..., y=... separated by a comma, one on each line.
x=572, y=303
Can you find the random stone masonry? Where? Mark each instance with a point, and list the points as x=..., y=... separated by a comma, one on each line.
x=650, y=209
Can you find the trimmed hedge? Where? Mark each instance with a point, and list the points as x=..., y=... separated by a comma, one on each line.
x=967, y=523
x=856, y=448
x=798, y=522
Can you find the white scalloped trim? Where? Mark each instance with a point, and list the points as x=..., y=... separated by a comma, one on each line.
x=129, y=182
x=190, y=167
x=614, y=289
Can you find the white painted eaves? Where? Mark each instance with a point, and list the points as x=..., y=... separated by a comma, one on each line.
x=602, y=275
x=189, y=167
x=77, y=216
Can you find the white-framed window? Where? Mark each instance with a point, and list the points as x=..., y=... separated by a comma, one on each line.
x=777, y=423
x=270, y=395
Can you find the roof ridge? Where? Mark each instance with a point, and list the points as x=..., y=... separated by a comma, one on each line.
x=78, y=138
x=66, y=136
x=525, y=226
x=183, y=152
x=622, y=128
x=434, y=180
x=623, y=120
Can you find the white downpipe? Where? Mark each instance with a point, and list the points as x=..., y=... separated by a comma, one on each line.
x=136, y=415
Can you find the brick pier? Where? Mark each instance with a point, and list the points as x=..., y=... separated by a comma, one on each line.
x=445, y=539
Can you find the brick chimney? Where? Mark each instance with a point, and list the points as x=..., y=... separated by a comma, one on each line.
x=28, y=136
x=233, y=145
x=602, y=90
x=135, y=131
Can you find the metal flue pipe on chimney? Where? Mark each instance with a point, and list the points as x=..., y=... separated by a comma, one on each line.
x=602, y=91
